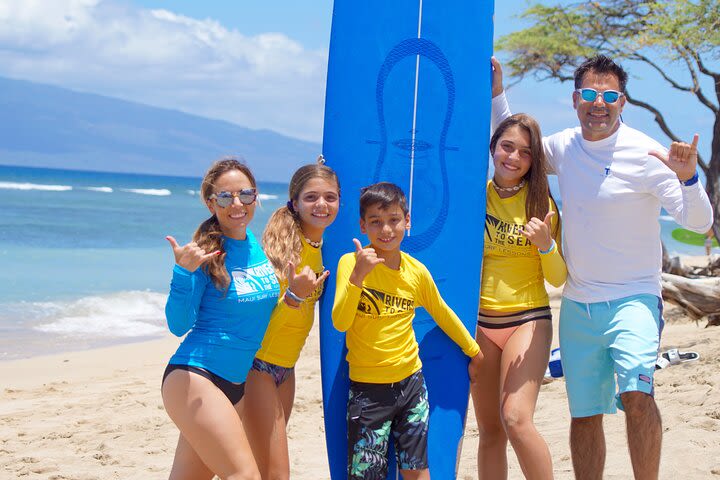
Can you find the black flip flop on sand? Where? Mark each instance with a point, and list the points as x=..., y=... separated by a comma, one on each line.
x=675, y=357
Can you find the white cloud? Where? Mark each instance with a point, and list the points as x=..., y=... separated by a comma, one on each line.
x=165, y=59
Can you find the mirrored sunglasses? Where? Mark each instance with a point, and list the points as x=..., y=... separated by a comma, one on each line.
x=590, y=94
x=225, y=199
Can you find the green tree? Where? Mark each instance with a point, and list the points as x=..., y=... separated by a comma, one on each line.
x=654, y=33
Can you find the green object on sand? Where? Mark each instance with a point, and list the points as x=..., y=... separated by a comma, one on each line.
x=691, y=238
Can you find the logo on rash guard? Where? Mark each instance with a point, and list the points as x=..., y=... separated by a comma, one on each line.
x=252, y=281
x=376, y=303
x=505, y=237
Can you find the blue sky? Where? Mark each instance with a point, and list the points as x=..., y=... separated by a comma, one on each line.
x=257, y=63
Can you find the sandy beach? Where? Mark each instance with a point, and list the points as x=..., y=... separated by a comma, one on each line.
x=98, y=414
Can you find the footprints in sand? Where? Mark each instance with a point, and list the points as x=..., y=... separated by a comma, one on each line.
x=115, y=427
x=31, y=465
x=104, y=459
x=98, y=428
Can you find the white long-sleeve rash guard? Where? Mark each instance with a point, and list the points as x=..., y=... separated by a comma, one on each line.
x=612, y=191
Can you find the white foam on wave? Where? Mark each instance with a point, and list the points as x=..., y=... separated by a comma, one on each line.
x=158, y=192
x=34, y=186
x=116, y=315
x=100, y=189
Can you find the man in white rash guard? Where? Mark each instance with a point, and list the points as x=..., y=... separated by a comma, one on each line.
x=613, y=181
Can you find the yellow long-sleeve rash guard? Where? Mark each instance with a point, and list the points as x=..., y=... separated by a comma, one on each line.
x=289, y=328
x=513, y=271
x=378, y=319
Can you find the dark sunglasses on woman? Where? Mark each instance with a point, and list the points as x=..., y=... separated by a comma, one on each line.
x=225, y=199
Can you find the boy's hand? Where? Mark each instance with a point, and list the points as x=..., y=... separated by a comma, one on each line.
x=474, y=367
x=365, y=261
x=538, y=232
x=303, y=284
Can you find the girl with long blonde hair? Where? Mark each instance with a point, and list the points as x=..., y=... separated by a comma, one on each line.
x=292, y=241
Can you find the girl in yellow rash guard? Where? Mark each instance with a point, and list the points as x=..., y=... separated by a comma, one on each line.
x=522, y=239
x=292, y=236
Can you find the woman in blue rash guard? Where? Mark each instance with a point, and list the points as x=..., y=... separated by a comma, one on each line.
x=222, y=292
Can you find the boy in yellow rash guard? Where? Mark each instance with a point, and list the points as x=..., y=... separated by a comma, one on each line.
x=378, y=289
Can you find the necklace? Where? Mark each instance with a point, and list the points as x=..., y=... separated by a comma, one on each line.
x=514, y=188
x=317, y=244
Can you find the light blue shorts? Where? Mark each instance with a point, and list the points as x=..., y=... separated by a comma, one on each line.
x=599, y=341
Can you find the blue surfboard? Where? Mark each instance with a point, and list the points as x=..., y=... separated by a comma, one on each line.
x=408, y=101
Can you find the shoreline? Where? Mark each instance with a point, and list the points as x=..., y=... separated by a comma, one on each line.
x=89, y=346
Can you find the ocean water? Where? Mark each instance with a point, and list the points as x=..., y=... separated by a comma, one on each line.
x=83, y=256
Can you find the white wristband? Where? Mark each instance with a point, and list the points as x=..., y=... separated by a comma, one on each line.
x=292, y=296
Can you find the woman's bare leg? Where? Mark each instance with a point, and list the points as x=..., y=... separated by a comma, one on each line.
x=492, y=445
x=287, y=395
x=264, y=420
x=523, y=365
x=187, y=464
x=210, y=425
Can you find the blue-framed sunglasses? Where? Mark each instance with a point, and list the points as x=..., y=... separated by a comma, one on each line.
x=590, y=94
x=225, y=199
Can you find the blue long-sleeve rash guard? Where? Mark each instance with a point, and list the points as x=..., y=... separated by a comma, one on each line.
x=226, y=328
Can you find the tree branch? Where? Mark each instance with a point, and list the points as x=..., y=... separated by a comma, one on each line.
x=660, y=120
x=642, y=58
x=704, y=69
x=714, y=75
x=697, y=90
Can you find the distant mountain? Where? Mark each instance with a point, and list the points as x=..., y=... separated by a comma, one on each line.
x=45, y=126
